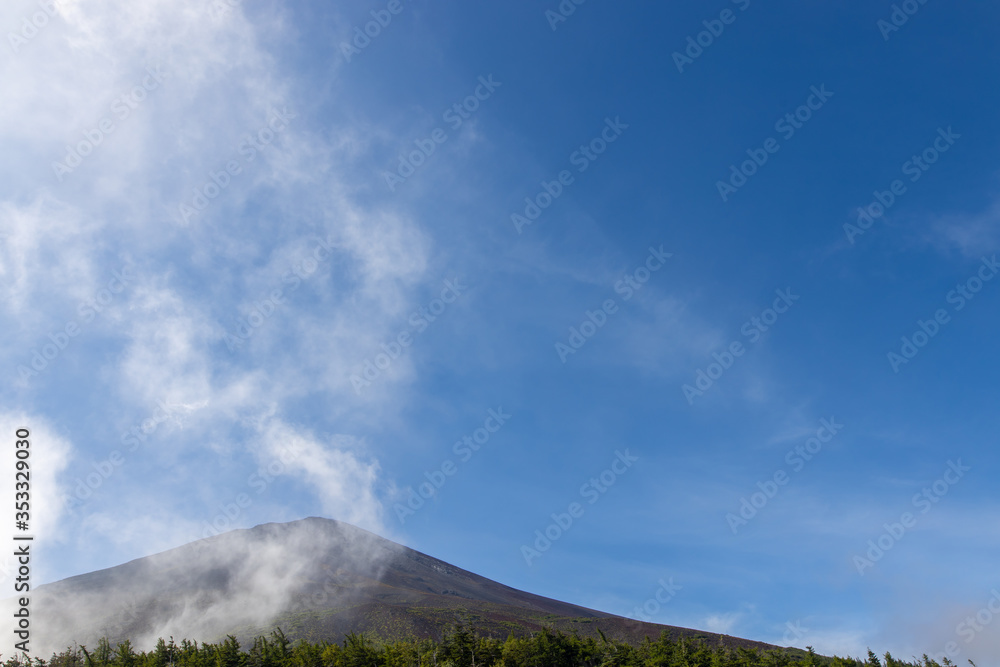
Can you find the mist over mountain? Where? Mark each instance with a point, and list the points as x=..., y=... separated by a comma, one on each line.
x=315, y=578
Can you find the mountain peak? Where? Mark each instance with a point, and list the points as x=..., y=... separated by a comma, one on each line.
x=314, y=577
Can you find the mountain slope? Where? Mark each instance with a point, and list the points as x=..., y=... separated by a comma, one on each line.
x=317, y=579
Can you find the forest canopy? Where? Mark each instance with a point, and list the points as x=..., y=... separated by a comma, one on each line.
x=460, y=647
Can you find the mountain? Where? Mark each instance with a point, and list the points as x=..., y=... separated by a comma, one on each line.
x=316, y=579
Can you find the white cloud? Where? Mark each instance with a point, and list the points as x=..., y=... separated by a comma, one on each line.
x=161, y=340
x=46, y=257
x=721, y=623
x=972, y=234
x=50, y=453
x=344, y=484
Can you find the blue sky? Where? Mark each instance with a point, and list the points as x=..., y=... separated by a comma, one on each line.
x=300, y=264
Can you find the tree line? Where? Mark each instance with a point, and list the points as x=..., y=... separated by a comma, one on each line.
x=460, y=647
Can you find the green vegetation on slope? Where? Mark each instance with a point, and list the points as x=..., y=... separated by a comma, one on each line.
x=461, y=647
